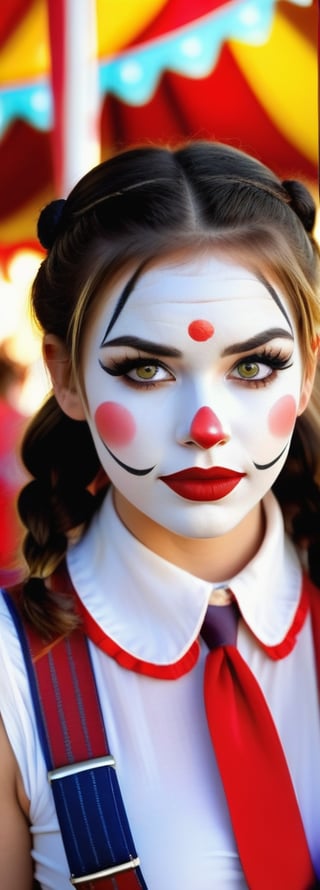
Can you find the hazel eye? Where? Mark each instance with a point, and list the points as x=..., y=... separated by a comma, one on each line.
x=148, y=372
x=252, y=370
x=260, y=369
x=144, y=372
x=138, y=371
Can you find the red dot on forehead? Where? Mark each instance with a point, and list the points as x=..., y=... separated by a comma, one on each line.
x=200, y=329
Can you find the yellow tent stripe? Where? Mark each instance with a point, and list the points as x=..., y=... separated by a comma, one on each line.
x=120, y=23
x=26, y=53
x=283, y=75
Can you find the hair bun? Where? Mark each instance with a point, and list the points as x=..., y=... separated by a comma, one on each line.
x=49, y=222
x=301, y=202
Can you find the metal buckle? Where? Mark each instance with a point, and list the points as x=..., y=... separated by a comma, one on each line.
x=106, y=872
x=71, y=768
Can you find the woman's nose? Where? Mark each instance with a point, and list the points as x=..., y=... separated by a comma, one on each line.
x=206, y=430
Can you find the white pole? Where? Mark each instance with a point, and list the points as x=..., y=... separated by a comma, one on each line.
x=81, y=92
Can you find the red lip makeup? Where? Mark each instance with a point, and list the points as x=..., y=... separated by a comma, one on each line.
x=197, y=484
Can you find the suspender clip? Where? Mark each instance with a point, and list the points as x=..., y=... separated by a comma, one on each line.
x=105, y=873
x=70, y=769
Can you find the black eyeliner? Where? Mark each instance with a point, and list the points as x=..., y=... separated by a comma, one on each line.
x=120, y=367
x=275, y=361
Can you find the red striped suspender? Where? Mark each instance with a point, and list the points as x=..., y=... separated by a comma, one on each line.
x=93, y=822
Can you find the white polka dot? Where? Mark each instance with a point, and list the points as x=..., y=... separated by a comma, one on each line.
x=191, y=47
x=40, y=100
x=250, y=14
x=131, y=72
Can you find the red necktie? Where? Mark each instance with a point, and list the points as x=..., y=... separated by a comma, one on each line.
x=262, y=803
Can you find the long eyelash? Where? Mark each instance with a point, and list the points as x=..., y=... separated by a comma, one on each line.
x=275, y=360
x=120, y=367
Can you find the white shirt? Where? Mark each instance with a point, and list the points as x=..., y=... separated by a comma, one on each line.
x=157, y=728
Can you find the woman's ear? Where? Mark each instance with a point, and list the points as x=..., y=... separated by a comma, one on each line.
x=57, y=360
x=307, y=385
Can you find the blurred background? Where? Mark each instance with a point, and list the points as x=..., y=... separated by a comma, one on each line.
x=81, y=79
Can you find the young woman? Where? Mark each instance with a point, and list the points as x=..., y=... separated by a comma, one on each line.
x=175, y=466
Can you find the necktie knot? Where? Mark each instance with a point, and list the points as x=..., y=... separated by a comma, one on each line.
x=220, y=625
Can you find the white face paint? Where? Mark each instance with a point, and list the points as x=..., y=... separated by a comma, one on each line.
x=194, y=399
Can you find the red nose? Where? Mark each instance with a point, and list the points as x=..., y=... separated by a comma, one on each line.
x=206, y=429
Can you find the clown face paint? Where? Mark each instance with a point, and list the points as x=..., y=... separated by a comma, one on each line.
x=193, y=385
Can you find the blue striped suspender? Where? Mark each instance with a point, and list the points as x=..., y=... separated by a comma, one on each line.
x=93, y=822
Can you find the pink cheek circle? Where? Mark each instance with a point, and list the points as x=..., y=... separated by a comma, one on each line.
x=115, y=424
x=200, y=330
x=282, y=417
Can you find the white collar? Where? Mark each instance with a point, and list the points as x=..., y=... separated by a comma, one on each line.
x=154, y=610
x=268, y=589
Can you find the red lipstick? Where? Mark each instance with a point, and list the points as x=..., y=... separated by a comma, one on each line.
x=196, y=484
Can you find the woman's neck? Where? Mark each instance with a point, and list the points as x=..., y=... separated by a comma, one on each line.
x=213, y=559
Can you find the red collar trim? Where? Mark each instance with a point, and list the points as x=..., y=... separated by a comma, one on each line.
x=131, y=662
x=61, y=580
x=281, y=650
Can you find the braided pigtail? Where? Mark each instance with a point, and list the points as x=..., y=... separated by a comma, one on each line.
x=60, y=456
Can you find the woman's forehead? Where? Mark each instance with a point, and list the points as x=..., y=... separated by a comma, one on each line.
x=189, y=270
x=179, y=283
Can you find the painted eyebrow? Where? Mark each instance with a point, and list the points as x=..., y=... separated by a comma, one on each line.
x=258, y=340
x=125, y=294
x=145, y=346
x=276, y=298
